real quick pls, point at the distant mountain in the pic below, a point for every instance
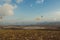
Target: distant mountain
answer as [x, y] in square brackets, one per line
[32, 23]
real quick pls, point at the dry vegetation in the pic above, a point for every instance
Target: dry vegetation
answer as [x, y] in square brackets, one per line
[29, 35]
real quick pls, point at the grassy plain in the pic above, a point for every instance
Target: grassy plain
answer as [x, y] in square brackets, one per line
[41, 34]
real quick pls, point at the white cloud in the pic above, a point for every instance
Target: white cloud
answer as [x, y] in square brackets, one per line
[5, 1]
[39, 1]
[31, 5]
[19, 1]
[53, 16]
[57, 14]
[8, 1]
[0, 5]
[7, 10]
[15, 6]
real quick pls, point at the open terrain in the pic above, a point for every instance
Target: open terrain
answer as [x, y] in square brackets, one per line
[41, 34]
[30, 32]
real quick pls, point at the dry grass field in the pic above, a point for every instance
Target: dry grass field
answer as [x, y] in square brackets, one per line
[29, 34]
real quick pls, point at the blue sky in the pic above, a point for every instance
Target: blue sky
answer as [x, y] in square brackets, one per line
[30, 10]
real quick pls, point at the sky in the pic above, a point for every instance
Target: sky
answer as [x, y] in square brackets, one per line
[29, 10]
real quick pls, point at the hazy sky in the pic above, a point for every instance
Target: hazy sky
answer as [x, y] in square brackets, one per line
[29, 10]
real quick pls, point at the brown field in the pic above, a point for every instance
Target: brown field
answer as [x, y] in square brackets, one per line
[29, 34]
